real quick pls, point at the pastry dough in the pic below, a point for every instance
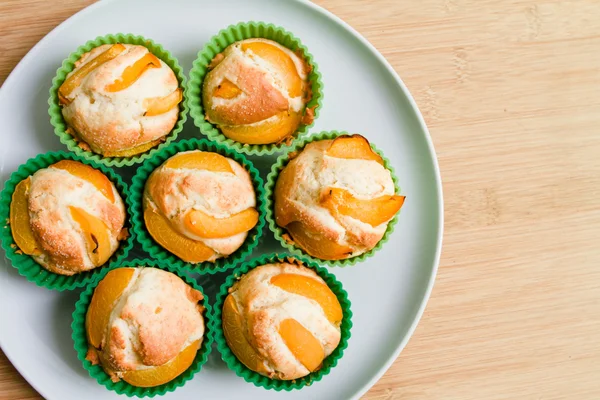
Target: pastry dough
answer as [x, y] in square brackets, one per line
[257, 91]
[263, 304]
[310, 176]
[153, 319]
[179, 188]
[76, 226]
[113, 121]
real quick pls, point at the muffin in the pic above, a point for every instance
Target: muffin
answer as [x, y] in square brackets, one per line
[120, 100]
[256, 92]
[281, 320]
[199, 205]
[335, 198]
[68, 217]
[144, 326]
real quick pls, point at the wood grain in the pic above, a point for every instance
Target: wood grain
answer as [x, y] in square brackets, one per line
[509, 89]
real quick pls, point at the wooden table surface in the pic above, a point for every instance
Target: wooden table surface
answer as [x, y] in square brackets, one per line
[510, 90]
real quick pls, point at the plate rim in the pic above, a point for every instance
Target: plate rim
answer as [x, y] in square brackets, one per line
[415, 109]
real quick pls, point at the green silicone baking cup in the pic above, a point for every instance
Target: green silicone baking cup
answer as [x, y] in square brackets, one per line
[279, 232]
[135, 202]
[25, 264]
[216, 45]
[81, 344]
[60, 126]
[261, 380]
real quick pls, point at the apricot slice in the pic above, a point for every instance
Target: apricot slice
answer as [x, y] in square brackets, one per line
[96, 235]
[165, 373]
[373, 212]
[269, 132]
[280, 60]
[89, 174]
[302, 343]
[106, 294]
[200, 160]
[185, 248]
[160, 105]
[312, 289]
[19, 220]
[316, 245]
[285, 212]
[227, 90]
[355, 146]
[133, 72]
[142, 148]
[233, 328]
[209, 227]
[73, 81]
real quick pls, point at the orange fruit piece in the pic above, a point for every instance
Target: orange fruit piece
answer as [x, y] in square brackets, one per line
[165, 373]
[227, 90]
[302, 344]
[312, 289]
[233, 328]
[19, 220]
[142, 148]
[285, 212]
[73, 81]
[209, 227]
[183, 247]
[269, 132]
[281, 61]
[160, 105]
[200, 160]
[106, 294]
[87, 173]
[133, 72]
[96, 235]
[373, 212]
[355, 146]
[316, 245]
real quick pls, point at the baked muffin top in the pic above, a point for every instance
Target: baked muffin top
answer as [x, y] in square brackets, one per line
[208, 201]
[257, 91]
[69, 217]
[281, 320]
[141, 318]
[120, 99]
[335, 198]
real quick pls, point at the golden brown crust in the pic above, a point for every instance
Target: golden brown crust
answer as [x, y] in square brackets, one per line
[297, 193]
[62, 253]
[262, 307]
[156, 318]
[264, 112]
[176, 192]
[109, 122]
[263, 100]
[288, 183]
[64, 250]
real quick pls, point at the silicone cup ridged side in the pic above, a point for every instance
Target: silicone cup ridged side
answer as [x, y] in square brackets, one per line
[79, 336]
[216, 45]
[25, 264]
[279, 231]
[254, 377]
[135, 203]
[55, 112]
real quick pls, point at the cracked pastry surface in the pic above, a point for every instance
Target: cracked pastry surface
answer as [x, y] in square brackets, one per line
[256, 92]
[336, 198]
[144, 325]
[282, 320]
[69, 217]
[200, 205]
[120, 100]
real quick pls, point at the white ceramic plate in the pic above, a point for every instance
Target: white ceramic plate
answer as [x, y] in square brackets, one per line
[362, 94]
